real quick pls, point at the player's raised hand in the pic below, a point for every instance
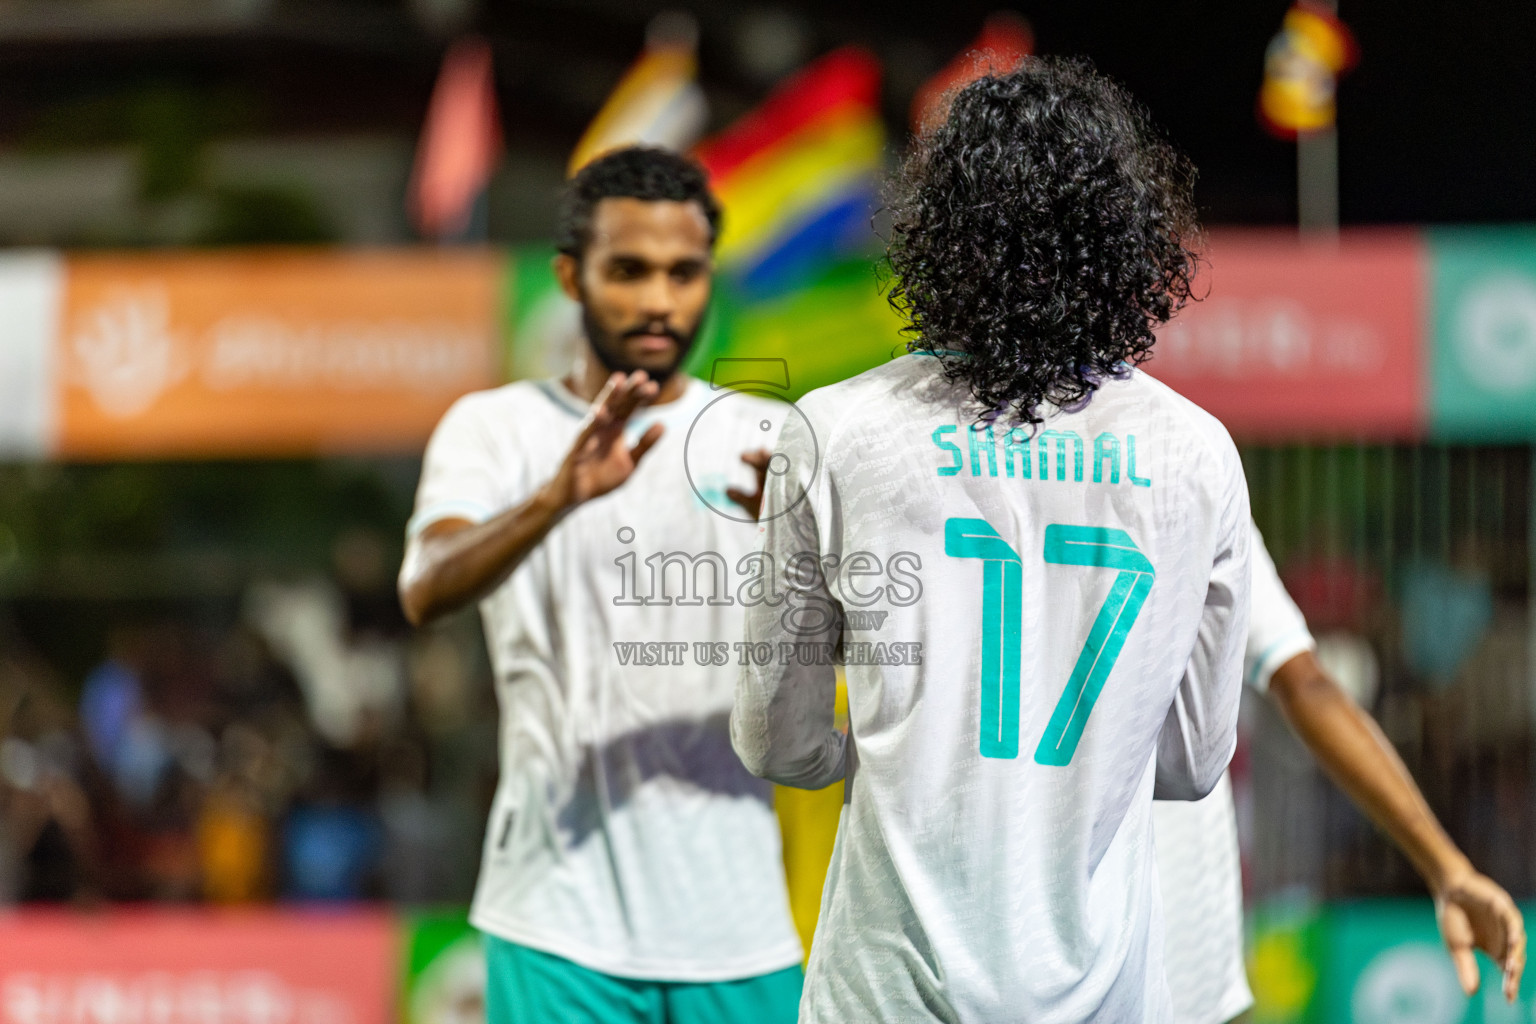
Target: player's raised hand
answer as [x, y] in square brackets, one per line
[600, 459]
[753, 502]
[1475, 912]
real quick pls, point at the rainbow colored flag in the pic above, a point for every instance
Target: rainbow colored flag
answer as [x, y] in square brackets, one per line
[798, 176]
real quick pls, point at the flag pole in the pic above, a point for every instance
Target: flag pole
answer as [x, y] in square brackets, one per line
[1317, 182]
[1317, 174]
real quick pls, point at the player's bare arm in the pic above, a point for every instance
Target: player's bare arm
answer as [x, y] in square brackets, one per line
[454, 561]
[1473, 910]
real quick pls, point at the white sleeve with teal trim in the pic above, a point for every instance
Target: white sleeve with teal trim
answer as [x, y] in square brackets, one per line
[1276, 630]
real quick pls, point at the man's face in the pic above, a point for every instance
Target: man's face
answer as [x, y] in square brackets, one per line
[643, 283]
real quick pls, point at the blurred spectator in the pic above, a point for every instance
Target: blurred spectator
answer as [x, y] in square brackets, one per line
[1445, 613]
[233, 832]
[48, 842]
[110, 704]
[332, 839]
[275, 732]
[1332, 592]
[351, 671]
[420, 843]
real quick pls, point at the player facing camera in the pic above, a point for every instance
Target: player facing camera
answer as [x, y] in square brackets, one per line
[636, 240]
[629, 854]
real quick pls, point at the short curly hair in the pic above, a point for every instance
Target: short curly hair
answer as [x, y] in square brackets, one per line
[634, 172]
[1040, 235]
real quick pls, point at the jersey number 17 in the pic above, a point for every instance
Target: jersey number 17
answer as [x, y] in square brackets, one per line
[1002, 613]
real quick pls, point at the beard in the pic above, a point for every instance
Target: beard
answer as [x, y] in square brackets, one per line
[608, 346]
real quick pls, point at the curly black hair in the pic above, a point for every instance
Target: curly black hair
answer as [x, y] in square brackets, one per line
[1040, 235]
[634, 172]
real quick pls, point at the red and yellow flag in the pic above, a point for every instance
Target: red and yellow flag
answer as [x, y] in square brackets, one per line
[1005, 40]
[1301, 69]
[460, 142]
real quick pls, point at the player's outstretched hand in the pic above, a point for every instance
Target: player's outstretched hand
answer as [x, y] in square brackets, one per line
[753, 503]
[1475, 912]
[600, 460]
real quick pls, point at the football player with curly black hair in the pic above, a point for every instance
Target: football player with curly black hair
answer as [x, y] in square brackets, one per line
[1083, 536]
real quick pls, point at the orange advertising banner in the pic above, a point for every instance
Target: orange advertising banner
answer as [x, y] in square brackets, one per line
[272, 352]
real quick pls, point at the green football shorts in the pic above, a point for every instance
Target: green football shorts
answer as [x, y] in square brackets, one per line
[525, 986]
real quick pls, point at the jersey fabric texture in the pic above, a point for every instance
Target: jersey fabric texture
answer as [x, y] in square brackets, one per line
[1041, 628]
[525, 986]
[625, 834]
[1197, 854]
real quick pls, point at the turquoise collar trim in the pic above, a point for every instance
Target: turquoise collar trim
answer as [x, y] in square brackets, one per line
[561, 397]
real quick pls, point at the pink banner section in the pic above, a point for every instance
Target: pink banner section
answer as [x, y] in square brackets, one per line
[197, 967]
[1305, 339]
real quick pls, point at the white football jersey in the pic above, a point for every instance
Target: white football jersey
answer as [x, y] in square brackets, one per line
[1197, 854]
[625, 834]
[1041, 626]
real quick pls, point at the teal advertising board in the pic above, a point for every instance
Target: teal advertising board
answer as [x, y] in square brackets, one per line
[1483, 334]
[1376, 961]
[1384, 964]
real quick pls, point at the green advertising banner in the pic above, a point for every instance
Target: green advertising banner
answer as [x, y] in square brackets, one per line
[443, 970]
[1284, 948]
[1384, 964]
[1366, 962]
[1483, 334]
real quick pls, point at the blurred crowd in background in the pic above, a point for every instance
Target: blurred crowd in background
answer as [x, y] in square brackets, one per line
[268, 728]
[1410, 565]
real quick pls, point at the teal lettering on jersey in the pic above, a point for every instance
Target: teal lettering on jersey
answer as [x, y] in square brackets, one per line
[1106, 448]
[1001, 615]
[1017, 443]
[982, 448]
[949, 446]
[1061, 437]
[1103, 548]
[1130, 463]
[976, 431]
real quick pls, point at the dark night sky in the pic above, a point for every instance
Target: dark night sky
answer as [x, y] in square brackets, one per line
[1436, 125]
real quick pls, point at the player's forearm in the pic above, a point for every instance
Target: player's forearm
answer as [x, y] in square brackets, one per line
[783, 726]
[445, 572]
[813, 765]
[784, 719]
[1359, 758]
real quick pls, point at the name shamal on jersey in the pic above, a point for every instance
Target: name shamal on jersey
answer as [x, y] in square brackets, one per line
[983, 448]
